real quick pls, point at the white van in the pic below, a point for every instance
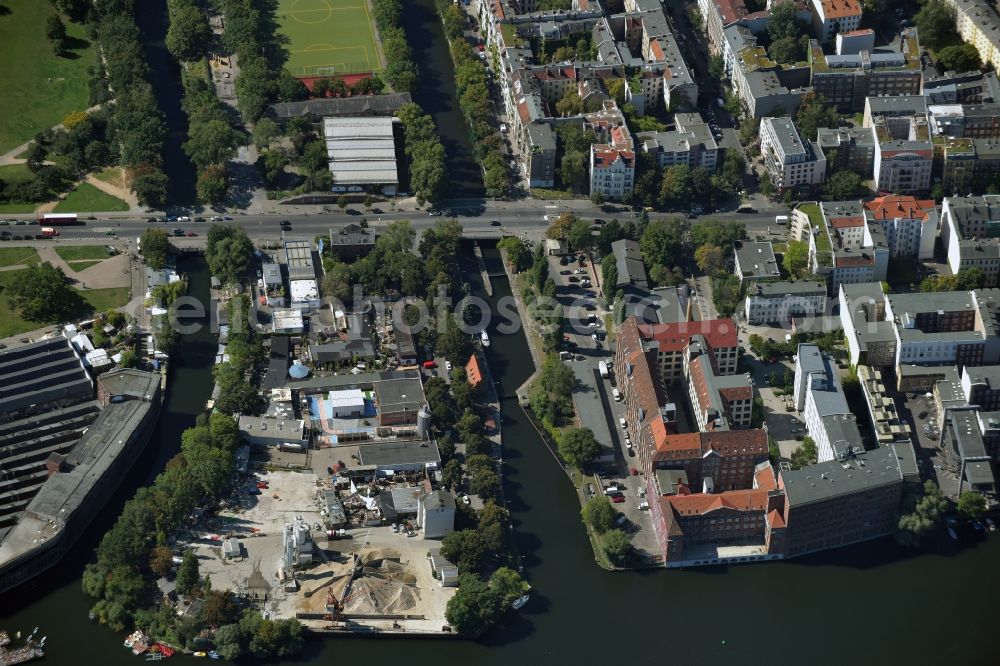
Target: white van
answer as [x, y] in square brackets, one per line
[565, 356]
[617, 394]
[611, 491]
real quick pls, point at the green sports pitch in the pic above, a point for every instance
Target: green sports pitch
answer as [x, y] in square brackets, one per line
[328, 37]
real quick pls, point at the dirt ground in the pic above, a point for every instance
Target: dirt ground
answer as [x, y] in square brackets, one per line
[396, 578]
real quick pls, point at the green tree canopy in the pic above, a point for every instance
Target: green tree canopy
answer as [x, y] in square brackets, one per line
[578, 447]
[599, 514]
[842, 185]
[156, 247]
[814, 112]
[662, 242]
[805, 455]
[42, 294]
[189, 34]
[228, 252]
[972, 505]
[474, 608]
[936, 25]
[960, 58]
[617, 547]
[187, 574]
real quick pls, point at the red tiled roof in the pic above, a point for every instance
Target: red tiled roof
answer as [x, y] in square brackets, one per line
[655, 49]
[522, 111]
[473, 372]
[899, 207]
[858, 33]
[775, 519]
[834, 9]
[728, 442]
[604, 158]
[731, 393]
[702, 503]
[846, 222]
[764, 479]
[719, 333]
[619, 137]
[730, 11]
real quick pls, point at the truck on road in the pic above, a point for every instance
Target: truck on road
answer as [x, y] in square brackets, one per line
[781, 219]
[58, 219]
[602, 366]
[49, 232]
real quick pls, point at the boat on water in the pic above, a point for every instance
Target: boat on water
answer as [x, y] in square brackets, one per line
[201, 654]
[520, 601]
[484, 338]
[952, 533]
[137, 642]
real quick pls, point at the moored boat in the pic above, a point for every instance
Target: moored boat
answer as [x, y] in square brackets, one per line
[484, 338]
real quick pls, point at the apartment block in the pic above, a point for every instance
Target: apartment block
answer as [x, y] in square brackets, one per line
[674, 344]
[850, 148]
[905, 154]
[886, 423]
[981, 386]
[612, 164]
[718, 403]
[834, 16]
[962, 88]
[819, 396]
[844, 501]
[940, 328]
[791, 161]
[778, 302]
[964, 436]
[846, 79]
[910, 225]
[754, 260]
[843, 246]
[970, 233]
[871, 340]
[714, 461]
[691, 143]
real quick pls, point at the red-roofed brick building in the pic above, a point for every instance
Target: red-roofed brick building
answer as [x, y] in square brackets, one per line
[718, 402]
[676, 343]
[713, 461]
[473, 372]
[910, 224]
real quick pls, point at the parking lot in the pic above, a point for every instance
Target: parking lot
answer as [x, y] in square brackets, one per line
[919, 412]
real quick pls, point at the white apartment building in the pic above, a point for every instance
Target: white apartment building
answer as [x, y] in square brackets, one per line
[978, 24]
[910, 225]
[969, 227]
[778, 302]
[819, 396]
[790, 161]
[834, 16]
[612, 172]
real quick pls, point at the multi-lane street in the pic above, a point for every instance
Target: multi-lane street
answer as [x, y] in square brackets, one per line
[479, 218]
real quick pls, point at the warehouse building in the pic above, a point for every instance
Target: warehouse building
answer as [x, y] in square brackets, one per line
[361, 154]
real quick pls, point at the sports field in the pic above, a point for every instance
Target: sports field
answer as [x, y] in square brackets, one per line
[328, 37]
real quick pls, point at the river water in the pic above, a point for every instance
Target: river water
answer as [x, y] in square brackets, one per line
[869, 604]
[436, 95]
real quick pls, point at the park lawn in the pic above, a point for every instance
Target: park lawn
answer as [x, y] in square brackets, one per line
[39, 89]
[15, 256]
[77, 266]
[17, 208]
[111, 176]
[103, 300]
[10, 322]
[88, 199]
[81, 252]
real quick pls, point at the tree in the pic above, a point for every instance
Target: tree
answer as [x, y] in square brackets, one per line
[228, 252]
[935, 23]
[579, 236]
[161, 560]
[725, 293]
[518, 253]
[716, 67]
[211, 142]
[271, 165]
[571, 103]
[342, 202]
[229, 641]
[676, 187]
[474, 608]
[616, 90]
[212, 184]
[842, 185]
[784, 22]
[796, 258]
[466, 548]
[805, 455]
[717, 232]
[150, 187]
[709, 258]
[337, 281]
[187, 573]
[578, 447]
[220, 608]
[55, 29]
[970, 278]
[599, 514]
[662, 241]
[42, 294]
[508, 586]
[617, 547]
[264, 132]
[971, 505]
[559, 228]
[814, 112]
[189, 33]
[451, 475]
[959, 58]
[35, 159]
[485, 483]
[785, 51]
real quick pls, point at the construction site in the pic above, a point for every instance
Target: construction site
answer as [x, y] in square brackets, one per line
[310, 546]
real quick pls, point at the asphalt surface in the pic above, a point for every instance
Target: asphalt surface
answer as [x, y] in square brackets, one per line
[477, 218]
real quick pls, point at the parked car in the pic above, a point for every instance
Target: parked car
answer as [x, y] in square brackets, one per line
[621, 422]
[447, 366]
[494, 223]
[618, 499]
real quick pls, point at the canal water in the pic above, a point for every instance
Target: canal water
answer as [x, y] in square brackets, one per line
[436, 95]
[152, 18]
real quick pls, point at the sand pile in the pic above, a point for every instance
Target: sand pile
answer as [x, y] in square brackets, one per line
[374, 596]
